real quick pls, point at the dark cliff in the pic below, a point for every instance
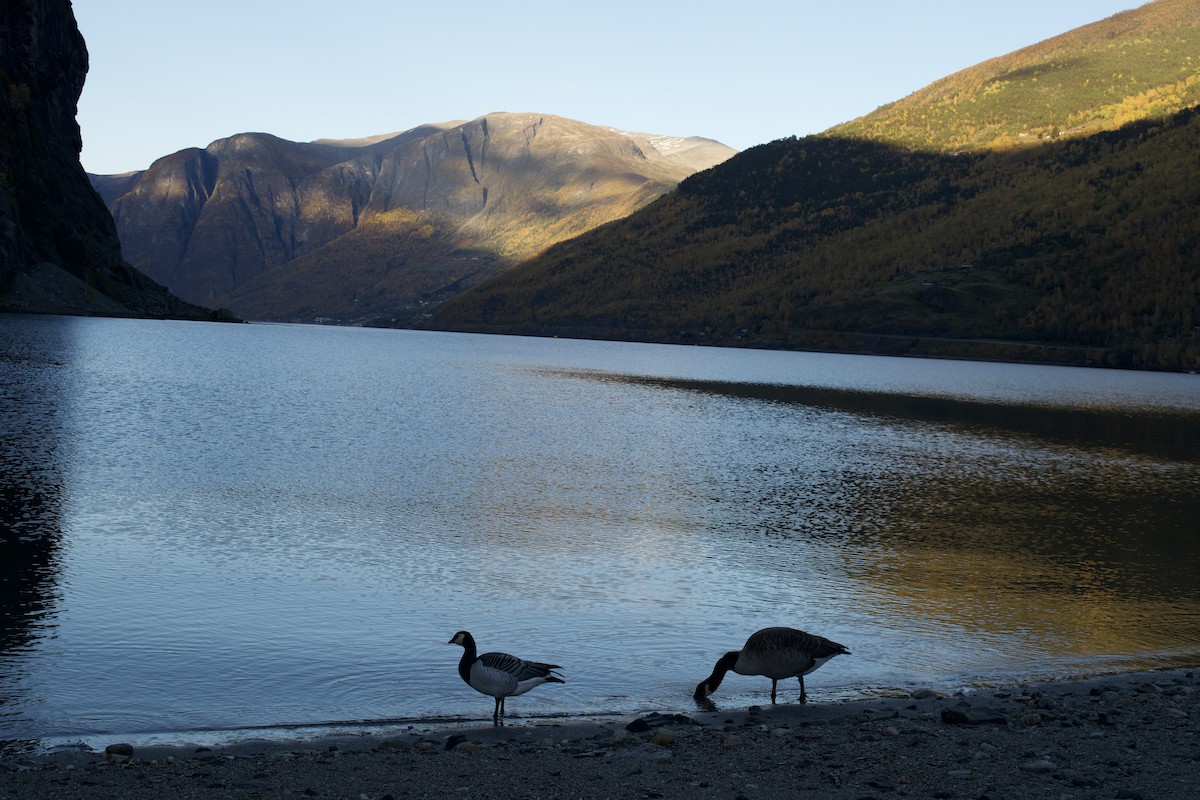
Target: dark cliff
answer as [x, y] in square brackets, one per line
[59, 251]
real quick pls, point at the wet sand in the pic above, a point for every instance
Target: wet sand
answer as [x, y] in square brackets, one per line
[1122, 737]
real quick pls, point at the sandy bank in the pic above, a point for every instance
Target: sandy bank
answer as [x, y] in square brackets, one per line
[1128, 736]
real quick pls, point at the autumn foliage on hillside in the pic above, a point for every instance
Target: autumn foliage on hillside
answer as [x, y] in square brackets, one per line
[1134, 65]
[1086, 250]
[1037, 206]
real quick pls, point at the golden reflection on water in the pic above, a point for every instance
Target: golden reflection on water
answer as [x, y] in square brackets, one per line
[318, 531]
[1078, 556]
[1062, 531]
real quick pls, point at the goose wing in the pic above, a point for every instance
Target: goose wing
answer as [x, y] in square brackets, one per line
[791, 639]
[823, 648]
[518, 668]
[502, 675]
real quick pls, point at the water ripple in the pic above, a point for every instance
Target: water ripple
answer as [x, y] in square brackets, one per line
[274, 528]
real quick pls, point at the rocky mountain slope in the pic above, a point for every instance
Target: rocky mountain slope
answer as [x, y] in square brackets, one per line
[377, 230]
[59, 251]
[1080, 250]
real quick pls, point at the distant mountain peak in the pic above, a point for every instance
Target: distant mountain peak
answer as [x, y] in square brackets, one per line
[367, 141]
[379, 227]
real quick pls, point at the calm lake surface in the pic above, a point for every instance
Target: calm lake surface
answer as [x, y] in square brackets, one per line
[221, 531]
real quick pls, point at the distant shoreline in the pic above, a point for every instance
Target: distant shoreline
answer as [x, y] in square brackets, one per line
[1127, 736]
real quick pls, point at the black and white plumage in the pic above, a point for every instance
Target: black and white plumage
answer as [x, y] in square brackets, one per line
[775, 653]
[499, 674]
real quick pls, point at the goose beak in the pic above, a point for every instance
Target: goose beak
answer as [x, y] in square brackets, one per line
[701, 698]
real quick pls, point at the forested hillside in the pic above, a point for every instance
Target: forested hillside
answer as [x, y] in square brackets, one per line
[1039, 206]
[1134, 65]
[1082, 251]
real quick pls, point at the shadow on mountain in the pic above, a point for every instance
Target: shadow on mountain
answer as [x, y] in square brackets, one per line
[1079, 251]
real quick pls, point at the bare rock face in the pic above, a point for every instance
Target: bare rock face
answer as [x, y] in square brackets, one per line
[59, 251]
[381, 229]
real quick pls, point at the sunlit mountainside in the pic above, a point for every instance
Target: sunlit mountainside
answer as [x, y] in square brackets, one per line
[920, 228]
[1098, 77]
[375, 230]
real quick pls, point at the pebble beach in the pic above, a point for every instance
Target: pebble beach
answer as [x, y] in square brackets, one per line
[1124, 737]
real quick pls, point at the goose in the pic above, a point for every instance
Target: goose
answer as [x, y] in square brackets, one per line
[774, 653]
[499, 674]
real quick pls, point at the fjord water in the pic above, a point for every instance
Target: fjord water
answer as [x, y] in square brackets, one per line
[216, 531]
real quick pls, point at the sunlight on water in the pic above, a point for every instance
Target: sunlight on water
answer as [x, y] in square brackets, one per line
[236, 527]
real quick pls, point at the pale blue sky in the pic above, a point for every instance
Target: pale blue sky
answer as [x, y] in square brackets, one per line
[167, 75]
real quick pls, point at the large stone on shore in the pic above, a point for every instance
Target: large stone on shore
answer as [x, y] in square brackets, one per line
[120, 752]
[972, 716]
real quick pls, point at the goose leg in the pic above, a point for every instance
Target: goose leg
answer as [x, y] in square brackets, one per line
[773, 682]
[803, 694]
[496, 712]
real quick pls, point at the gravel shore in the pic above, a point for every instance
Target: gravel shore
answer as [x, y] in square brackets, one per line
[1120, 737]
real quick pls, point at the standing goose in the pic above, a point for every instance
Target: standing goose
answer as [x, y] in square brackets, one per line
[499, 674]
[774, 653]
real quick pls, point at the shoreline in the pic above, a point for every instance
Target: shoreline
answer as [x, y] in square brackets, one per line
[1132, 735]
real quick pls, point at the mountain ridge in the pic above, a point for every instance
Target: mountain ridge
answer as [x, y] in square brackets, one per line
[1080, 250]
[251, 219]
[1092, 78]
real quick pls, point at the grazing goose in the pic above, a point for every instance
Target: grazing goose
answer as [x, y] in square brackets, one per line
[499, 674]
[775, 653]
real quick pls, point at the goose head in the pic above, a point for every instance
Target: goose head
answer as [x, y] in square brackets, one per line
[710, 684]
